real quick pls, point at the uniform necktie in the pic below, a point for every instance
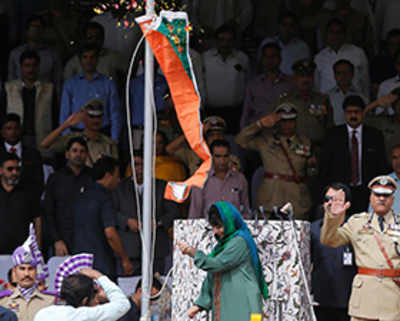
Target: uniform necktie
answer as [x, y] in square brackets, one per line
[13, 150]
[381, 221]
[355, 171]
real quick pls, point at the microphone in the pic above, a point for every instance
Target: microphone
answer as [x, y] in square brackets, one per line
[287, 209]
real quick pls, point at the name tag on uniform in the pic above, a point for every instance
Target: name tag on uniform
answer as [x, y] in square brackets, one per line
[347, 258]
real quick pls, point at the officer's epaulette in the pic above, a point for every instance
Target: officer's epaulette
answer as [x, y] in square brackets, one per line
[48, 292]
[6, 293]
[360, 215]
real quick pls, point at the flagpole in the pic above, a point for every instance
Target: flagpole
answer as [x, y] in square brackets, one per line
[147, 268]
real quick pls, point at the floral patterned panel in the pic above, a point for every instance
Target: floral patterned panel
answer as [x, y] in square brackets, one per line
[276, 245]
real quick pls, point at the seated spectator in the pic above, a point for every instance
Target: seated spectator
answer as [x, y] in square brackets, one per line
[285, 156]
[214, 128]
[359, 30]
[78, 292]
[336, 49]
[292, 47]
[50, 69]
[167, 168]
[353, 153]
[91, 115]
[95, 225]
[263, 91]
[314, 110]
[29, 268]
[389, 125]
[136, 298]
[226, 72]
[32, 169]
[90, 84]
[223, 184]
[388, 85]
[344, 75]
[382, 65]
[62, 191]
[19, 205]
[32, 100]
[333, 268]
[212, 14]
[125, 207]
[110, 62]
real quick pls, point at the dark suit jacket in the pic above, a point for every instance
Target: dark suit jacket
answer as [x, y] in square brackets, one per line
[336, 158]
[331, 280]
[124, 201]
[32, 168]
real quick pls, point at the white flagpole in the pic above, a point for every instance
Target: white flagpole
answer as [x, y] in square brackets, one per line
[147, 268]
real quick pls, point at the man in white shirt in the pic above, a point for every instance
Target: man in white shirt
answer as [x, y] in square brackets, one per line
[78, 291]
[293, 48]
[344, 74]
[226, 73]
[388, 85]
[337, 49]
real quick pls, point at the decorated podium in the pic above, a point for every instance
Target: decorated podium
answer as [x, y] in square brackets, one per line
[276, 245]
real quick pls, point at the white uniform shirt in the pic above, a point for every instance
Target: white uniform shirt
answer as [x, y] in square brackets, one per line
[326, 58]
[225, 79]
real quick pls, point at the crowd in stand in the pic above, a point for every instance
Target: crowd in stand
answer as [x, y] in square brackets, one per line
[295, 95]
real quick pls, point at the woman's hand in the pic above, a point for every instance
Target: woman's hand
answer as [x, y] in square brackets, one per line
[186, 249]
[193, 311]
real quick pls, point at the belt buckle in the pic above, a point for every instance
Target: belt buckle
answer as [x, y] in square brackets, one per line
[275, 176]
[380, 273]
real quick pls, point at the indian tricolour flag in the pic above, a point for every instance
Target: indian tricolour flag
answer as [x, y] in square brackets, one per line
[168, 36]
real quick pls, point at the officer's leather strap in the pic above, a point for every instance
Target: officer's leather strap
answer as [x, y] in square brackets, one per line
[383, 273]
[296, 176]
[287, 178]
[378, 240]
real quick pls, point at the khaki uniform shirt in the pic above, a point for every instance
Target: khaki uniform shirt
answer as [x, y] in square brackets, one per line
[277, 192]
[102, 144]
[314, 115]
[26, 310]
[390, 128]
[372, 297]
[193, 162]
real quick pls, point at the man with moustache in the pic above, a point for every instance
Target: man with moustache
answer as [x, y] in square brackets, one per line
[91, 115]
[353, 153]
[62, 190]
[19, 205]
[29, 268]
[375, 238]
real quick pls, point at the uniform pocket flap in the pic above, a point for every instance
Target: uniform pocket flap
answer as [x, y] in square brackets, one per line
[357, 283]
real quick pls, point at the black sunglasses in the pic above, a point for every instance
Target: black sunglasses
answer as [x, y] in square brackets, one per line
[11, 168]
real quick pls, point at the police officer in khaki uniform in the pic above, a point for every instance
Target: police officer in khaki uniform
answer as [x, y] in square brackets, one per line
[214, 128]
[26, 299]
[375, 238]
[98, 144]
[285, 156]
[314, 110]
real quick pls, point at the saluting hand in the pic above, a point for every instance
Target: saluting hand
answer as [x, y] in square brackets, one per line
[269, 120]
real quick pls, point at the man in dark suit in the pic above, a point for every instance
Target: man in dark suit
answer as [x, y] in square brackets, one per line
[125, 206]
[333, 268]
[32, 167]
[353, 153]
